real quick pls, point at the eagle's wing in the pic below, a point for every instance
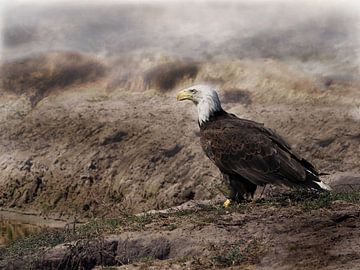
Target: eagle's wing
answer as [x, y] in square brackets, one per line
[254, 152]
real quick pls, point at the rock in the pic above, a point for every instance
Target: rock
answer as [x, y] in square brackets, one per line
[346, 182]
[131, 250]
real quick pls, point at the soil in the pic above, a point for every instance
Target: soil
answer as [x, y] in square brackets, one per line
[90, 151]
[258, 235]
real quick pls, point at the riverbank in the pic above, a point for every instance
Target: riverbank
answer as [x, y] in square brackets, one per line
[294, 230]
[50, 221]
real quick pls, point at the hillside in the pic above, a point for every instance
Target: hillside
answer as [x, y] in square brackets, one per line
[86, 150]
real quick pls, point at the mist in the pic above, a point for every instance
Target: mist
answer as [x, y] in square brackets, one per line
[320, 37]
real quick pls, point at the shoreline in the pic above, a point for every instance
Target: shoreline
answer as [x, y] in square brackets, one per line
[36, 218]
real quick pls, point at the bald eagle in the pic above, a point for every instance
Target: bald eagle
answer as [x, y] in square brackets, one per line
[247, 153]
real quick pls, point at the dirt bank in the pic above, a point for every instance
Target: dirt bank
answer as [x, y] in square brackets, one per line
[296, 231]
[34, 218]
[93, 151]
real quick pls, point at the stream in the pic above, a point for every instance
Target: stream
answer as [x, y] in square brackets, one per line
[13, 229]
[14, 225]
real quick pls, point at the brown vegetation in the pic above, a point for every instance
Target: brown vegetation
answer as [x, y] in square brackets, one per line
[167, 76]
[236, 96]
[38, 75]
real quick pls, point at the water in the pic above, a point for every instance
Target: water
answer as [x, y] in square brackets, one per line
[13, 229]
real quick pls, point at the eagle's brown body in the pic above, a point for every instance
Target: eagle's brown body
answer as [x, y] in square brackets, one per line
[249, 154]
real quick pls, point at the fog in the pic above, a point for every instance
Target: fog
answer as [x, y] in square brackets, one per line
[318, 36]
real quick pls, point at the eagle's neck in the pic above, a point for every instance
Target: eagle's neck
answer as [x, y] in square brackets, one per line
[207, 109]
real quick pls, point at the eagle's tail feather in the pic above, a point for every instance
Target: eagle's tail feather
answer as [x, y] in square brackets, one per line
[323, 186]
[312, 178]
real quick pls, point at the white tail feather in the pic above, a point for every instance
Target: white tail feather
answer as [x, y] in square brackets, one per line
[323, 185]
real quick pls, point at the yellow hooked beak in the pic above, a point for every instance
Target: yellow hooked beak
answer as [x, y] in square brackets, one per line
[184, 95]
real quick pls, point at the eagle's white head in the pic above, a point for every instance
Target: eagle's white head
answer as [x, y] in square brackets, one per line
[204, 97]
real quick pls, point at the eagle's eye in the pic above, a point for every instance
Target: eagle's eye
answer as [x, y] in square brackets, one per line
[193, 91]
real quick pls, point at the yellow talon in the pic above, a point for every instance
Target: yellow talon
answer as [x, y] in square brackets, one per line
[227, 203]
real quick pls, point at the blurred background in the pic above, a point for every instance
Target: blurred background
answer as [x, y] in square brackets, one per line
[89, 119]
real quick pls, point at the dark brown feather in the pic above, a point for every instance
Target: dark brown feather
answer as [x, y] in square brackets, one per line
[250, 150]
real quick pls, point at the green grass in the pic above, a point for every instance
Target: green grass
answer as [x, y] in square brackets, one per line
[312, 200]
[293, 247]
[52, 237]
[239, 253]
[171, 227]
[231, 257]
[97, 99]
[352, 197]
[28, 244]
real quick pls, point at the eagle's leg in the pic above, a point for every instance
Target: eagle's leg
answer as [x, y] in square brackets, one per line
[262, 192]
[240, 189]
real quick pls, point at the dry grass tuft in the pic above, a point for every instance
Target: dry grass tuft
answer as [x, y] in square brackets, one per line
[38, 75]
[166, 76]
[235, 95]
